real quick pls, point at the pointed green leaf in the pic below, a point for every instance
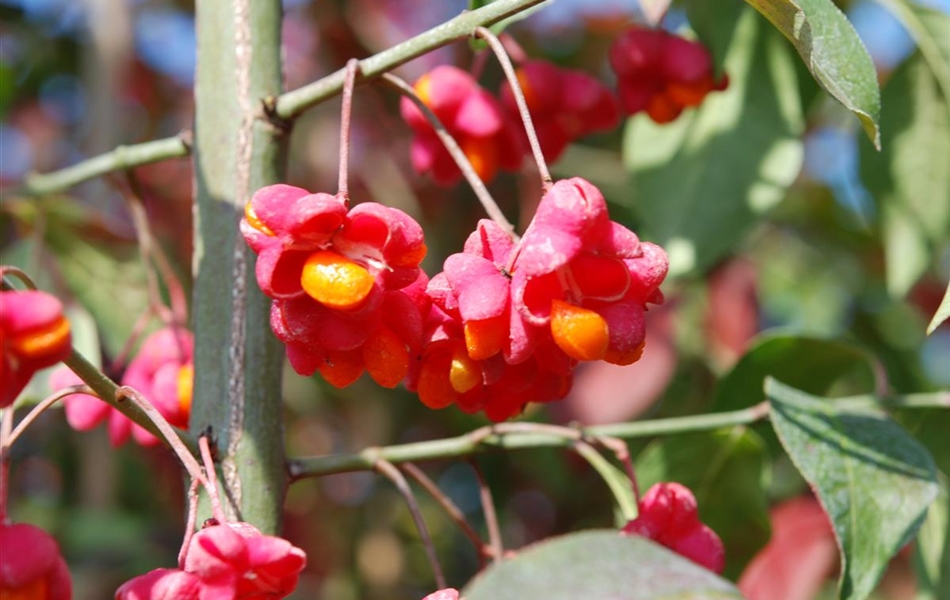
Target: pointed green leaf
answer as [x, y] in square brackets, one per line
[701, 182]
[933, 549]
[833, 53]
[874, 480]
[942, 314]
[910, 180]
[729, 484]
[598, 565]
[928, 26]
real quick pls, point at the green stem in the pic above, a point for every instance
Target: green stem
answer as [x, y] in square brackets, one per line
[621, 488]
[524, 436]
[107, 390]
[290, 105]
[121, 158]
[238, 360]
[495, 436]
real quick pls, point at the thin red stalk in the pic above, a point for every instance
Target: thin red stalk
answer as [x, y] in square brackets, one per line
[211, 479]
[190, 522]
[153, 251]
[509, 70]
[19, 274]
[41, 407]
[452, 147]
[171, 438]
[352, 67]
[6, 426]
[514, 49]
[146, 242]
[622, 452]
[176, 292]
[138, 328]
[478, 63]
[454, 512]
[388, 470]
[491, 517]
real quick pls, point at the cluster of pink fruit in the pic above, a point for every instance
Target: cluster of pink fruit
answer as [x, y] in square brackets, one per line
[657, 72]
[504, 324]
[507, 320]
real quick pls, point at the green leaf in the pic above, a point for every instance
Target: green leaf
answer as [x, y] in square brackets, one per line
[701, 182]
[728, 483]
[928, 26]
[109, 282]
[808, 363]
[598, 565]
[910, 180]
[833, 53]
[714, 24]
[942, 314]
[933, 549]
[929, 426]
[874, 481]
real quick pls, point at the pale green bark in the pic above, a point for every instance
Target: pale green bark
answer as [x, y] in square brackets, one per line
[237, 359]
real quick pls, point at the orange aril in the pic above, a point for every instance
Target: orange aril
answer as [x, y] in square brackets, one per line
[423, 88]
[43, 341]
[689, 94]
[485, 338]
[481, 153]
[254, 222]
[35, 590]
[386, 357]
[335, 281]
[579, 332]
[663, 109]
[464, 373]
[530, 96]
[185, 387]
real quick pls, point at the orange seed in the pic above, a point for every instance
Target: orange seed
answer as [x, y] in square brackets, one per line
[254, 222]
[485, 338]
[185, 386]
[335, 281]
[464, 374]
[579, 332]
[44, 341]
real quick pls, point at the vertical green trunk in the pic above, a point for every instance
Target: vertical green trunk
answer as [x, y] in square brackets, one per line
[237, 359]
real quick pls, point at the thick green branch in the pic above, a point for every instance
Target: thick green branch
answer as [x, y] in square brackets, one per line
[496, 436]
[120, 159]
[291, 104]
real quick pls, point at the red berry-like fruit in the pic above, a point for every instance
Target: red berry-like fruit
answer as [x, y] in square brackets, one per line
[668, 515]
[31, 567]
